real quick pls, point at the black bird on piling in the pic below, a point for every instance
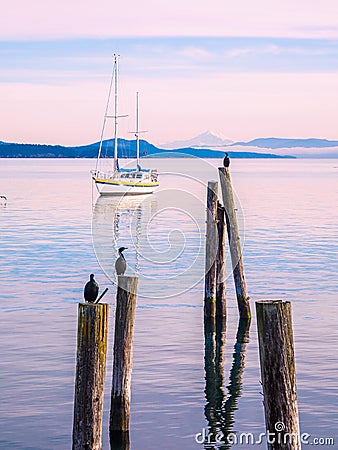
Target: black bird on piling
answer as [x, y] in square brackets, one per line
[226, 160]
[121, 264]
[91, 290]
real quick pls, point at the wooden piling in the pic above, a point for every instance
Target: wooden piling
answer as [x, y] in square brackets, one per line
[211, 251]
[221, 265]
[123, 354]
[276, 349]
[90, 373]
[234, 243]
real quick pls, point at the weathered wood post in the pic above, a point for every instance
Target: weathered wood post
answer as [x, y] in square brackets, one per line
[221, 265]
[234, 243]
[211, 245]
[277, 360]
[90, 372]
[123, 354]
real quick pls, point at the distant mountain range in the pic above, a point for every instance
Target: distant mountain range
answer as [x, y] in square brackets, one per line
[211, 139]
[127, 149]
[205, 145]
[274, 143]
[303, 148]
[208, 139]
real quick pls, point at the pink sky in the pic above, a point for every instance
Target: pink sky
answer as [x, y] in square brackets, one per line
[254, 98]
[242, 106]
[64, 18]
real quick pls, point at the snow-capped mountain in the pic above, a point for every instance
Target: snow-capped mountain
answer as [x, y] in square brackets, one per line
[206, 139]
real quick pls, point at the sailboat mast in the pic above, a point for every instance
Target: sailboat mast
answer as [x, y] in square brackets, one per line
[105, 120]
[115, 113]
[137, 133]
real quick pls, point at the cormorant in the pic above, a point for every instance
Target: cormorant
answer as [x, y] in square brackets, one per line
[226, 160]
[121, 264]
[91, 290]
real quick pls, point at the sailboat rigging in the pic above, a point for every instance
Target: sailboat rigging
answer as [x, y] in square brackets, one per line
[137, 132]
[122, 181]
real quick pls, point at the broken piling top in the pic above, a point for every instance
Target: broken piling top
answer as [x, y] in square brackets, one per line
[234, 243]
[277, 360]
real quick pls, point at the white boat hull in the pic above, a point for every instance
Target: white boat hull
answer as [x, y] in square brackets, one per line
[116, 180]
[108, 188]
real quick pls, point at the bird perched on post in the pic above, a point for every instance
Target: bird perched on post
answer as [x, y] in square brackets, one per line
[226, 160]
[121, 264]
[91, 290]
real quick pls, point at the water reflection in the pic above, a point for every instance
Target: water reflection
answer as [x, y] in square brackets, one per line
[164, 234]
[117, 222]
[221, 403]
[119, 440]
[214, 374]
[3, 201]
[46, 256]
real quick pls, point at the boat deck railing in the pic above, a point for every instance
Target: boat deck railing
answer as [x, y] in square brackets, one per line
[151, 175]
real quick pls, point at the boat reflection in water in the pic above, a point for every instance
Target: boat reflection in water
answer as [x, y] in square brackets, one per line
[163, 237]
[117, 222]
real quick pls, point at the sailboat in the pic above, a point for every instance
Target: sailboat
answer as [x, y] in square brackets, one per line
[116, 180]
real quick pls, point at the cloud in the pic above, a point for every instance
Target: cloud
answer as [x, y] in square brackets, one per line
[162, 57]
[238, 52]
[244, 87]
[194, 53]
[270, 49]
[240, 105]
[43, 19]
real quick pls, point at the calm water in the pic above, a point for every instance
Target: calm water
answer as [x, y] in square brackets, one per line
[54, 233]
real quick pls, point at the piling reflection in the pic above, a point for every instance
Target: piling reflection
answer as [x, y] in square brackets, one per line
[214, 373]
[119, 440]
[221, 402]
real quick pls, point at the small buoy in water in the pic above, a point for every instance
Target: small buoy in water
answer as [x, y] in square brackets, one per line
[121, 264]
[4, 198]
[226, 160]
[91, 290]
